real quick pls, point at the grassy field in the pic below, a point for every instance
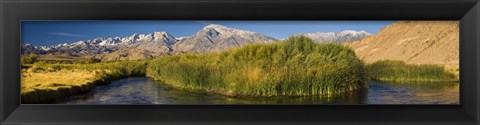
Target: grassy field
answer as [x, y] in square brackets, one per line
[295, 67]
[398, 71]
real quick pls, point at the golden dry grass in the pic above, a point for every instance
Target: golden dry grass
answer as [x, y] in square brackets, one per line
[44, 82]
[54, 80]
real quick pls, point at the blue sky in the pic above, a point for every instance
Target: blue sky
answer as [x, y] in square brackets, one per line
[47, 33]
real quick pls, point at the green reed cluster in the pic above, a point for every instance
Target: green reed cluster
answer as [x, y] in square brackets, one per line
[295, 67]
[399, 71]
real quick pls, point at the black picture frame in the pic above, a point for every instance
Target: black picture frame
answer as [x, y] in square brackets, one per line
[466, 11]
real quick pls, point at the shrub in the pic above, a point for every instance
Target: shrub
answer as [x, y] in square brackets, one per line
[29, 59]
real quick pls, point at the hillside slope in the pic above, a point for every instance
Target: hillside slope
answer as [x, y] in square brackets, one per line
[425, 42]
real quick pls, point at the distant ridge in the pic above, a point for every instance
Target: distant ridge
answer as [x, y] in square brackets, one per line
[210, 38]
[155, 42]
[343, 36]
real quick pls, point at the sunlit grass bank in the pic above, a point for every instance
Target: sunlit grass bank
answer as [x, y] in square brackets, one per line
[43, 83]
[398, 71]
[47, 86]
[295, 67]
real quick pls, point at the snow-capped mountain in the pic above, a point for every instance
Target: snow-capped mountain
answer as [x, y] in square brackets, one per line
[343, 36]
[210, 38]
[215, 37]
[155, 42]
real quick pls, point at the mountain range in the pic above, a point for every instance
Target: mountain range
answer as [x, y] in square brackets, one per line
[211, 38]
[343, 36]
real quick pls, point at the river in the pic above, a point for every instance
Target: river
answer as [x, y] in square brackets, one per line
[143, 90]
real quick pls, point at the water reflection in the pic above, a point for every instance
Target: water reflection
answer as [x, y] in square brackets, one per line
[413, 93]
[142, 90]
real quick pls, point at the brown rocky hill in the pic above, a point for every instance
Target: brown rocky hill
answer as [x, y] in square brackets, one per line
[414, 42]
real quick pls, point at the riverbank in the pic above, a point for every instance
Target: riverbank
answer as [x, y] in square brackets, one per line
[46, 83]
[40, 87]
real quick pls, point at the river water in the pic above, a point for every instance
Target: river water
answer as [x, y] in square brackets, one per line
[143, 90]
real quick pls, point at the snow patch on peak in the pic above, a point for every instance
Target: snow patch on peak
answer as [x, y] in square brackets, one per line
[216, 30]
[349, 31]
[161, 34]
[353, 32]
[215, 26]
[182, 37]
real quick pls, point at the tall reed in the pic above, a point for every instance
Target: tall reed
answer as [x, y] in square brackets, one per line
[295, 67]
[399, 71]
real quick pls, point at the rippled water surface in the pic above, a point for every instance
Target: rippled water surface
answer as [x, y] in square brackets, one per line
[143, 90]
